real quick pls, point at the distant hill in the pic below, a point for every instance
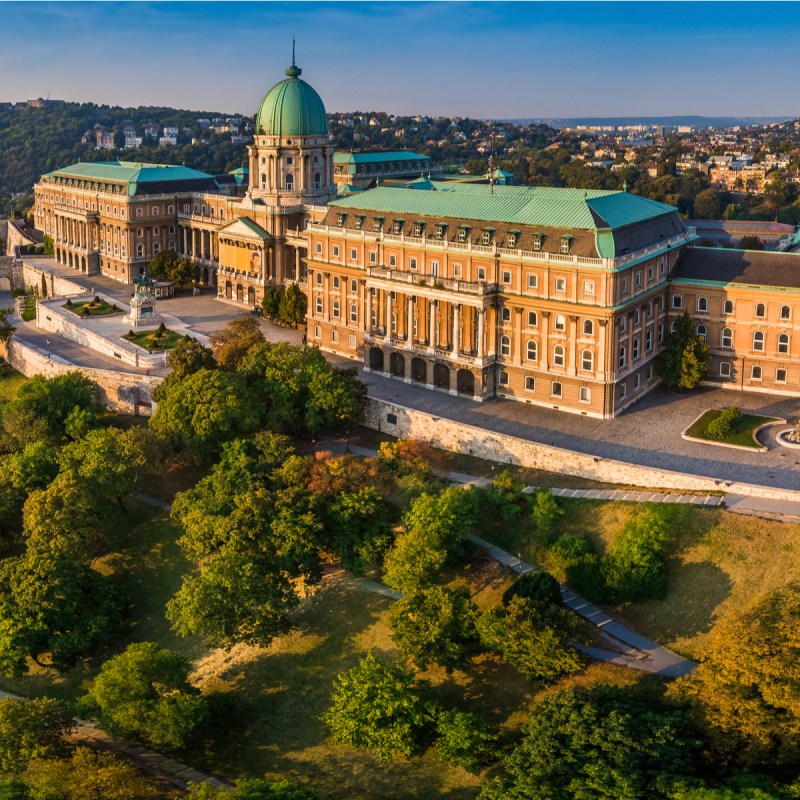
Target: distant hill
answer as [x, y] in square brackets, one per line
[668, 122]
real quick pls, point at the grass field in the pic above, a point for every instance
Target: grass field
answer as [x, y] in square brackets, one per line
[149, 341]
[10, 382]
[91, 308]
[743, 429]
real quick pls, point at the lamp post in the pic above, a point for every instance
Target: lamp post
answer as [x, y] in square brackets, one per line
[48, 349]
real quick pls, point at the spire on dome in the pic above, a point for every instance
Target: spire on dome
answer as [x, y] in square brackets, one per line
[294, 71]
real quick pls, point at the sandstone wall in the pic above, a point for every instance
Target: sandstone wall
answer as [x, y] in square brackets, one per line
[123, 392]
[56, 286]
[461, 438]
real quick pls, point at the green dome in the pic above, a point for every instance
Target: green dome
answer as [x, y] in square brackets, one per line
[292, 108]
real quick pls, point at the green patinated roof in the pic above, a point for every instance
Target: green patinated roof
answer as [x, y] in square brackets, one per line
[292, 108]
[377, 157]
[587, 209]
[348, 188]
[131, 173]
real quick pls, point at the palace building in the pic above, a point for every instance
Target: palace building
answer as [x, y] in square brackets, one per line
[553, 297]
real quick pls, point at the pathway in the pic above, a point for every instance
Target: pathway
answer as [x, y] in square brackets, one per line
[176, 773]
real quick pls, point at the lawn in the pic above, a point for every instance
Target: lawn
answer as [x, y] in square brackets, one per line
[719, 561]
[92, 308]
[28, 313]
[10, 382]
[150, 340]
[743, 429]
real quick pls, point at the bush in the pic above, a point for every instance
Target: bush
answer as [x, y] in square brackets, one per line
[18, 293]
[465, 740]
[161, 330]
[585, 575]
[724, 426]
[539, 587]
[68, 304]
[545, 511]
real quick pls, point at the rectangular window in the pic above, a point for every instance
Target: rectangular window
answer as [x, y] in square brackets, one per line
[456, 270]
[351, 342]
[481, 273]
[556, 390]
[638, 279]
[530, 383]
[623, 390]
[334, 336]
[393, 260]
[725, 369]
[588, 288]
[318, 248]
[585, 394]
[624, 286]
[412, 263]
[503, 378]
[533, 281]
[561, 284]
[373, 257]
[780, 376]
[637, 382]
[353, 254]
[506, 276]
[336, 251]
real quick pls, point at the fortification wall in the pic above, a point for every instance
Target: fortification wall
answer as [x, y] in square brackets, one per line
[57, 286]
[458, 437]
[123, 392]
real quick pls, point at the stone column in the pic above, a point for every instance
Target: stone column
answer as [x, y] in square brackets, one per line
[388, 314]
[601, 367]
[432, 324]
[366, 309]
[297, 264]
[572, 366]
[409, 319]
[481, 332]
[456, 320]
[517, 359]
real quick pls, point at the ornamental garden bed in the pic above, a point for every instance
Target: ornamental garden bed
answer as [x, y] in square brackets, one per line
[92, 308]
[159, 339]
[744, 430]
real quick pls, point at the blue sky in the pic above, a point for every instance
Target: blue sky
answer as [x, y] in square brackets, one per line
[489, 59]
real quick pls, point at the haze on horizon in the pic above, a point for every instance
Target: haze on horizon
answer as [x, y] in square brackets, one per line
[501, 60]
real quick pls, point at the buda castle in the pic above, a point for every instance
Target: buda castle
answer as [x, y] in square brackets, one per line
[553, 297]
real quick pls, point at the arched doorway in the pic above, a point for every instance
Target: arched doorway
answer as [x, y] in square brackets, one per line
[465, 382]
[70, 259]
[419, 370]
[83, 263]
[441, 376]
[205, 276]
[251, 296]
[228, 290]
[397, 365]
[5, 284]
[376, 359]
[240, 292]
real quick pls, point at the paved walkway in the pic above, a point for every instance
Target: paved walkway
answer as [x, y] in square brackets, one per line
[178, 774]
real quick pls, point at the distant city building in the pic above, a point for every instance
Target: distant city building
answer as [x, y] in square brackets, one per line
[364, 169]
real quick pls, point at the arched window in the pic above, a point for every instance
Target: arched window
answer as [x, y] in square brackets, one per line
[622, 357]
[263, 181]
[505, 315]
[587, 360]
[336, 283]
[677, 301]
[335, 308]
[533, 319]
[727, 307]
[726, 341]
[635, 348]
[317, 180]
[701, 332]
[702, 304]
[558, 355]
[783, 343]
[588, 327]
[354, 286]
[289, 182]
[531, 351]
[354, 312]
[758, 341]
[560, 323]
[505, 346]
[318, 278]
[786, 312]
[318, 305]
[761, 310]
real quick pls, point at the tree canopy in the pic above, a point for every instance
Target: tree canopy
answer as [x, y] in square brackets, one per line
[684, 360]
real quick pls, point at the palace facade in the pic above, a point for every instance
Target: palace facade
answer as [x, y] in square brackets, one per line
[553, 297]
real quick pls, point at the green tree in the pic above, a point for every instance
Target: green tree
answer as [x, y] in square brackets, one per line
[293, 305]
[707, 205]
[87, 775]
[747, 688]
[253, 790]
[188, 357]
[203, 410]
[44, 286]
[271, 304]
[545, 512]
[465, 740]
[684, 360]
[31, 729]
[539, 587]
[751, 242]
[145, 693]
[51, 605]
[380, 706]
[533, 638]
[20, 474]
[435, 624]
[79, 422]
[231, 345]
[6, 328]
[596, 743]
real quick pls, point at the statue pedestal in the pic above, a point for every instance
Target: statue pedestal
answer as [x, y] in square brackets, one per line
[143, 310]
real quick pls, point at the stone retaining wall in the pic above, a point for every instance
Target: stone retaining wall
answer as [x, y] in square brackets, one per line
[458, 437]
[123, 392]
[56, 285]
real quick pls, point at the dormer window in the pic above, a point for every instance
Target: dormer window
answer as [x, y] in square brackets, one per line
[441, 231]
[359, 222]
[377, 224]
[538, 240]
[566, 244]
[419, 227]
[463, 233]
[340, 220]
[397, 227]
[488, 233]
[512, 239]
